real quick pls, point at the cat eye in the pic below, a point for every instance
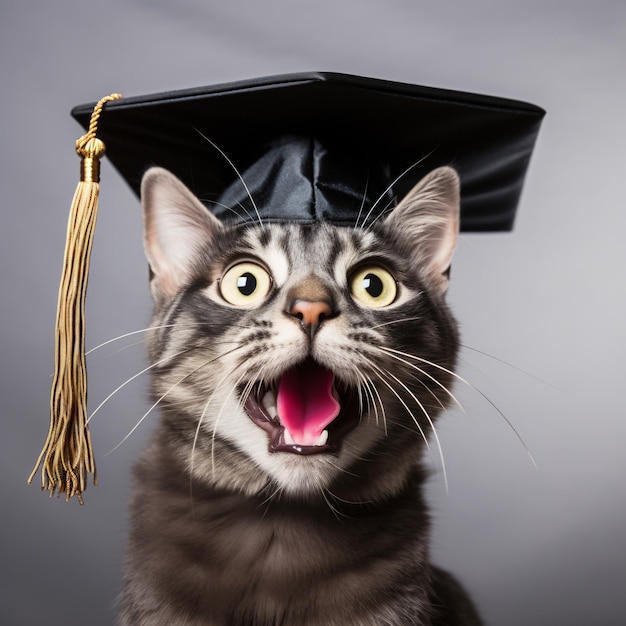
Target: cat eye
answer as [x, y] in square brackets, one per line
[373, 286]
[245, 283]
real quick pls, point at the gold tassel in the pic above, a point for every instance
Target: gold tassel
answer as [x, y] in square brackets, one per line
[67, 456]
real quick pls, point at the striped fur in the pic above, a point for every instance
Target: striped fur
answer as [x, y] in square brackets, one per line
[227, 532]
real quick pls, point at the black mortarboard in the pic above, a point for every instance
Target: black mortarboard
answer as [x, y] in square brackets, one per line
[309, 146]
[299, 147]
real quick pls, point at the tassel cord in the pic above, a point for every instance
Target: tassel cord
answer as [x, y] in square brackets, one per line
[67, 456]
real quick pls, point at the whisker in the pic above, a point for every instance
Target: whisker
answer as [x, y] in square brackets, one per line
[360, 392]
[431, 423]
[200, 421]
[121, 349]
[195, 442]
[350, 502]
[134, 376]
[373, 390]
[390, 186]
[391, 204]
[478, 391]
[366, 387]
[245, 393]
[275, 494]
[415, 377]
[427, 362]
[178, 382]
[394, 354]
[229, 208]
[232, 390]
[129, 334]
[334, 510]
[247, 390]
[510, 425]
[197, 434]
[364, 390]
[343, 470]
[398, 321]
[508, 364]
[381, 376]
[175, 325]
[243, 182]
[358, 217]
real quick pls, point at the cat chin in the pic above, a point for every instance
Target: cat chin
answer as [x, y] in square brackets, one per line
[301, 475]
[346, 475]
[255, 467]
[253, 471]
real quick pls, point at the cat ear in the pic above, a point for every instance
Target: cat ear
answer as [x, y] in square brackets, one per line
[427, 220]
[177, 227]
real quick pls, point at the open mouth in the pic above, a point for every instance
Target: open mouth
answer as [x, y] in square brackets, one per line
[306, 412]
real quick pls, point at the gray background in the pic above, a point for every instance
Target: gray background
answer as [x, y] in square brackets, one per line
[540, 547]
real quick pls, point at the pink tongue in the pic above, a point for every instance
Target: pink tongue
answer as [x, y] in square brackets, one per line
[305, 402]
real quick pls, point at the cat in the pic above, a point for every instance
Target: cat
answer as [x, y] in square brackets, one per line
[298, 369]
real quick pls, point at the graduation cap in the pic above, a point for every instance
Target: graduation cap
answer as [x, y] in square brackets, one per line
[310, 147]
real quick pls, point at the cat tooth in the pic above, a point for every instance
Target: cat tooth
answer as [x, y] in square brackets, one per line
[323, 438]
[268, 399]
[269, 404]
[289, 440]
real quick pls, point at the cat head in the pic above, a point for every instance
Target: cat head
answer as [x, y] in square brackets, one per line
[301, 357]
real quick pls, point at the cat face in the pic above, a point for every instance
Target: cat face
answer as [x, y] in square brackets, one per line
[301, 358]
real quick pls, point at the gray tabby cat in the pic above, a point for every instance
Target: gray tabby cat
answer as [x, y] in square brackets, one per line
[298, 370]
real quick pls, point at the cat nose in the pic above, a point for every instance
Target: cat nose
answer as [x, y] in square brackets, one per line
[311, 313]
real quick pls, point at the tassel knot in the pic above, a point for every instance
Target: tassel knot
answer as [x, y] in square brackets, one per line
[91, 150]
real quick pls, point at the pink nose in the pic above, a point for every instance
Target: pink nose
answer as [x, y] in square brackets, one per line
[311, 312]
